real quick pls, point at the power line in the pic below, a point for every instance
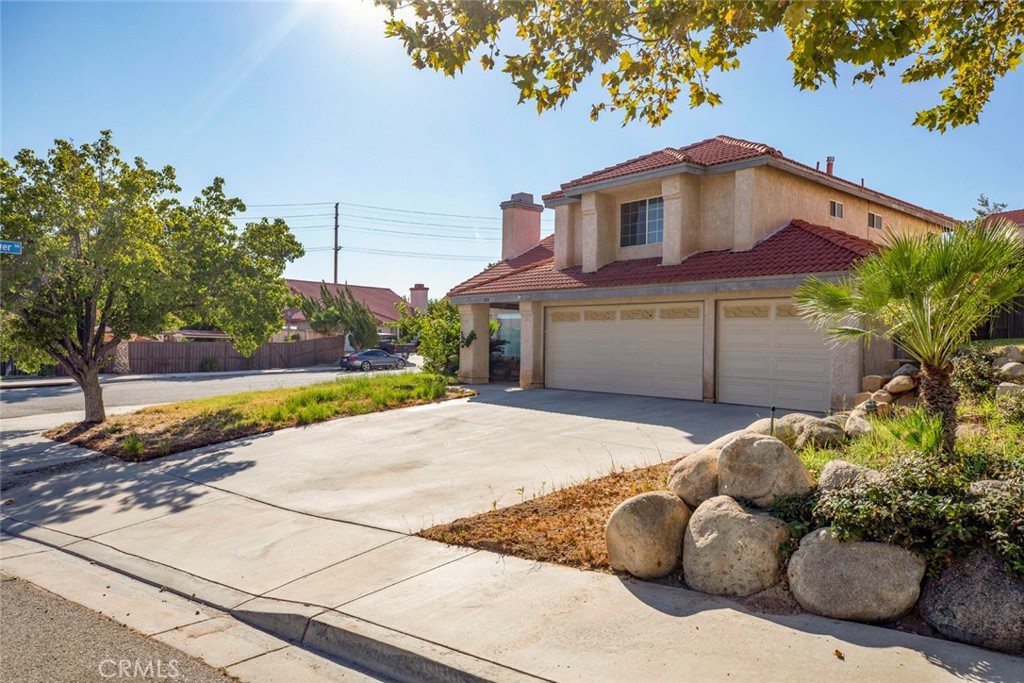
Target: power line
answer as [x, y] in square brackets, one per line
[425, 213]
[388, 252]
[419, 234]
[432, 225]
[260, 206]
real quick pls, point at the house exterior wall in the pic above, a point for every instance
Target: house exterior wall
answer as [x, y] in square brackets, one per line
[733, 210]
[780, 197]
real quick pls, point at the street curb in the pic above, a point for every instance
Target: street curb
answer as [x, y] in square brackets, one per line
[339, 636]
[117, 379]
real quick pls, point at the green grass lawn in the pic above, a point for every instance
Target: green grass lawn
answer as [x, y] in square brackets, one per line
[161, 430]
[982, 430]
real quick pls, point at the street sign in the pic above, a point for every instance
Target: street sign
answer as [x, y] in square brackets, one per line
[9, 247]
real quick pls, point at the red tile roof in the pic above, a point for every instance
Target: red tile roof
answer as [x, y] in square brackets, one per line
[798, 248]
[1014, 216]
[712, 152]
[380, 300]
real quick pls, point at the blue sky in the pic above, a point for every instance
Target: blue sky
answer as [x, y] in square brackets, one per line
[297, 104]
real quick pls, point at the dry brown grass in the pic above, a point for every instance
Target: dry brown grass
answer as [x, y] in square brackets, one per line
[566, 526]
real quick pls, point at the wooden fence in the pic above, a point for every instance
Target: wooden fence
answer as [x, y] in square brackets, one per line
[146, 357]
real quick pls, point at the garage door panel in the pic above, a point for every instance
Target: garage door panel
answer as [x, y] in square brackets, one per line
[775, 359]
[632, 349]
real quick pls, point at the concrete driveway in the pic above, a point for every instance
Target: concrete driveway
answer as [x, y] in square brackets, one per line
[409, 469]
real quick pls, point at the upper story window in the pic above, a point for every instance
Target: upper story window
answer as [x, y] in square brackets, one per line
[642, 222]
[874, 221]
[835, 209]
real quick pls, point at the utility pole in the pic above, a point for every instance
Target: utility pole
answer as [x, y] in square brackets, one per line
[336, 247]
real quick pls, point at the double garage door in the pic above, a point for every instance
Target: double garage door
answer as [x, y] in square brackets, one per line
[766, 354]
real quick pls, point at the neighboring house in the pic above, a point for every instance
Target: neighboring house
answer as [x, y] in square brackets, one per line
[380, 300]
[671, 275]
[1008, 324]
[1014, 216]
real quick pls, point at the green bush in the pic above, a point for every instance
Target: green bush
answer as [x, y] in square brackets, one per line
[1011, 408]
[209, 365]
[973, 372]
[133, 445]
[923, 504]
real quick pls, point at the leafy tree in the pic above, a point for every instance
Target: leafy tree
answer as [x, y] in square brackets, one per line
[339, 312]
[110, 252]
[927, 293]
[651, 52]
[439, 331]
[986, 207]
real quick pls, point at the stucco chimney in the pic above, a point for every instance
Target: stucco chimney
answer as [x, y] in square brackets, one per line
[418, 297]
[829, 164]
[520, 225]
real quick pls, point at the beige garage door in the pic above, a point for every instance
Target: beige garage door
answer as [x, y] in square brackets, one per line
[768, 356]
[645, 349]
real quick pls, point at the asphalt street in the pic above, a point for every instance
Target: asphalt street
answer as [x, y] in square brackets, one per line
[16, 403]
[47, 639]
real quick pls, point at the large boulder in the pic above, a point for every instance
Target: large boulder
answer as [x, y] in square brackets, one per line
[900, 384]
[857, 426]
[1008, 388]
[975, 602]
[726, 438]
[839, 473]
[882, 396]
[872, 582]
[1013, 353]
[783, 431]
[872, 383]
[695, 477]
[760, 468]
[728, 550]
[907, 369]
[644, 534]
[822, 433]
[908, 400]
[1012, 370]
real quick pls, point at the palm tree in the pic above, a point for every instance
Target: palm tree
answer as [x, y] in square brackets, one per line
[926, 293]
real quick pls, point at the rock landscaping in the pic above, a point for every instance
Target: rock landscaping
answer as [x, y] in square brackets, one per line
[733, 545]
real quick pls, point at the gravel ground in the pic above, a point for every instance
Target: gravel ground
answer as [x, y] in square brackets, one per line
[47, 639]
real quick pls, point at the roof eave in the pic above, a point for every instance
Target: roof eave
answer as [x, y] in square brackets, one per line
[764, 282]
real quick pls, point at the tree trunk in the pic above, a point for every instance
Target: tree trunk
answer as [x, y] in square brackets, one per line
[90, 383]
[940, 397]
[122, 364]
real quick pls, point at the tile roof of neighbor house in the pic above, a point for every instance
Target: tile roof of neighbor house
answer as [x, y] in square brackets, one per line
[380, 300]
[1014, 216]
[721, 149]
[798, 248]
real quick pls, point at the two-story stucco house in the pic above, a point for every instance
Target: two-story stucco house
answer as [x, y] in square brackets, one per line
[671, 275]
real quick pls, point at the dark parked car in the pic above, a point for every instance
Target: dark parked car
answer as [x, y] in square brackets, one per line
[370, 359]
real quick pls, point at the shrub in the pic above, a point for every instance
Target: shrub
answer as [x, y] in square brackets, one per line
[923, 504]
[133, 445]
[1011, 408]
[973, 372]
[209, 365]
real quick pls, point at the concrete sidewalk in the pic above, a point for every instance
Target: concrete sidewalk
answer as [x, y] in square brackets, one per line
[306, 534]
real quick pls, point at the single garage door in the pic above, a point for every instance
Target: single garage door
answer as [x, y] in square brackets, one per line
[645, 349]
[768, 356]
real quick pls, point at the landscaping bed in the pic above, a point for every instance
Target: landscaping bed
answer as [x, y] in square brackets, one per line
[175, 427]
[898, 506]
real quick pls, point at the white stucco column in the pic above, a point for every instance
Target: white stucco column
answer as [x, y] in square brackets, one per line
[474, 360]
[531, 345]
